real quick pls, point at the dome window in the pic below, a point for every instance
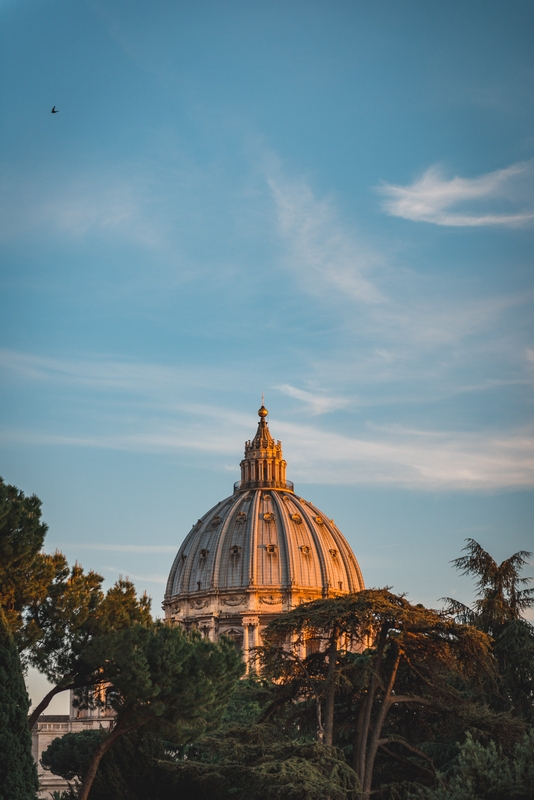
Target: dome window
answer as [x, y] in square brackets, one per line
[296, 518]
[305, 549]
[216, 521]
[203, 554]
[269, 516]
[333, 553]
[271, 549]
[341, 585]
[241, 518]
[235, 550]
[319, 520]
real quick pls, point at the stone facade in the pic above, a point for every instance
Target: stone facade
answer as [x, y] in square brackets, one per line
[50, 727]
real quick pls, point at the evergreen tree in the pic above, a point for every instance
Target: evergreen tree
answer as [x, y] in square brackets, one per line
[502, 597]
[172, 684]
[390, 663]
[18, 774]
[55, 611]
[484, 772]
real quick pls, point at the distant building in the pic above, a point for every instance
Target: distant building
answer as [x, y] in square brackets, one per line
[48, 727]
[257, 553]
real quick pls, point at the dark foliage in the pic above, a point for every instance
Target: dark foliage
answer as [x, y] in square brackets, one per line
[128, 771]
[173, 684]
[501, 600]
[258, 762]
[18, 774]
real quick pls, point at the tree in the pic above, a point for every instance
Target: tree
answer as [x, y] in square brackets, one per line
[484, 772]
[394, 654]
[74, 614]
[24, 572]
[54, 611]
[497, 611]
[18, 774]
[259, 762]
[129, 770]
[159, 677]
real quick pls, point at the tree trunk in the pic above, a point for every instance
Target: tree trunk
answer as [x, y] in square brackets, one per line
[360, 754]
[100, 751]
[320, 728]
[45, 702]
[372, 747]
[330, 694]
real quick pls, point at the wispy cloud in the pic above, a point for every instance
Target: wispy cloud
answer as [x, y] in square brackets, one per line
[320, 249]
[151, 578]
[414, 458]
[121, 548]
[466, 202]
[104, 203]
[318, 403]
[385, 455]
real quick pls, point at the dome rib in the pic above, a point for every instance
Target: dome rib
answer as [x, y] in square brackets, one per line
[287, 563]
[219, 545]
[253, 538]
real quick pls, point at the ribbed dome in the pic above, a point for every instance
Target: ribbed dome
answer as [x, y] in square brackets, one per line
[270, 539]
[259, 552]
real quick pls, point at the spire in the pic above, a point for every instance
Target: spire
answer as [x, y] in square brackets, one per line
[263, 465]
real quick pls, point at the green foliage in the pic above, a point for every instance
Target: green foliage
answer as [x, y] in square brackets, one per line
[258, 762]
[248, 699]
[499, 592]
[69, 756]
[395, 668]
[24, 572]
[501, 599]
[18, 774]
[174, 684]
[76, 612]
[159, 674]
[128, 771]
[484, 772]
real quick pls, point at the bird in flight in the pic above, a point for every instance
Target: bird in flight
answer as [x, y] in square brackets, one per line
[54, 111]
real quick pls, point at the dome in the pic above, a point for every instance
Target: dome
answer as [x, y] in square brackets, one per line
[257, 553]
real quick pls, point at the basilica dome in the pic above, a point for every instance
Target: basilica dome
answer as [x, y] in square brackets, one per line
[257, 553]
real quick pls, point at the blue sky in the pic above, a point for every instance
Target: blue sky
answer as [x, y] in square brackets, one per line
[329, 202]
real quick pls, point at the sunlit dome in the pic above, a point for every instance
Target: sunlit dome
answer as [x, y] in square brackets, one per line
[259, 552]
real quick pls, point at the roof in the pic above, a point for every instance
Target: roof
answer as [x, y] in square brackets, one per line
[264, 536]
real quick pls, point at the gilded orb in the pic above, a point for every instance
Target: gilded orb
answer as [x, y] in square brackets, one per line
[262, 412]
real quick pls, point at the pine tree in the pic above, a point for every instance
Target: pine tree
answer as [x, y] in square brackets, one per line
[18, 773]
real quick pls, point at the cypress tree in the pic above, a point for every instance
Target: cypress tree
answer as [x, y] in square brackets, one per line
[18, 773]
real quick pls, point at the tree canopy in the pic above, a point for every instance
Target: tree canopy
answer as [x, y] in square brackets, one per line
[18, 773]
[160, 678]
[55, 611]
[503, 596]
[383, 655]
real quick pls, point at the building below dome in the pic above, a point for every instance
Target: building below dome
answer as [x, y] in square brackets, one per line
[258, 553]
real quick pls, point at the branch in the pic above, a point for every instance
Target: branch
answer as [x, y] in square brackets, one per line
[382, 744]
[406, 698]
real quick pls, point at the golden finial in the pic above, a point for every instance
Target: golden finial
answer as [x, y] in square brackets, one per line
[263, 411]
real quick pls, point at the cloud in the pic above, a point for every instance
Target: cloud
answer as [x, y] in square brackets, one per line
[321, 251]
[152, 578]
[105, 203]
[122, 548]
[466, 202]
[413, 458]
[318, 403]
